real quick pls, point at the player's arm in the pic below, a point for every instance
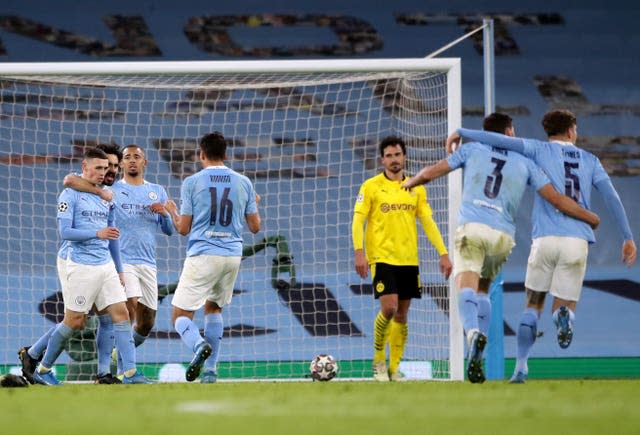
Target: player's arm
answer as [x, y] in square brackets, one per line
[67, 232]
[435, 237]
[182, 223]
[568, 206]
[65, 223]
[166, 224]
[114, 250]
[614, 204]
[629, 252]
[357, 237]
[78, 183]
[114, 245]
[433, 234]
[164, 218]
[495, 139]
[428, 173]
[360, 215]
[253, 218]
[253, 222]
[452, 142]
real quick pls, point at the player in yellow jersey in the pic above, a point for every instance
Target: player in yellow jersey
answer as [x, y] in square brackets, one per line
[389, 246]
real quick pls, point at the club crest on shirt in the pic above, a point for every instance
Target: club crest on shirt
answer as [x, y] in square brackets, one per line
[153, 196]
[62, 207]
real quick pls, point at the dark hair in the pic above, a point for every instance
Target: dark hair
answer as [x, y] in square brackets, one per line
[214, 145]
[391, 141]
[94, 153]
[497, 122]
[111, 148]
[558, 122]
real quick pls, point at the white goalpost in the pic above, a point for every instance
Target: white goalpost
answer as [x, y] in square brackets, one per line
[304, 131]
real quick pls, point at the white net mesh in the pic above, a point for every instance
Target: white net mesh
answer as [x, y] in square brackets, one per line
[307, 141]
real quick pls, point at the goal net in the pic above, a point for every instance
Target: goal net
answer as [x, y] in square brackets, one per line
[305, 133]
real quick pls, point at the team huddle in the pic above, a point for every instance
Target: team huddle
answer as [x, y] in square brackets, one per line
[107, 257]
[106, 260]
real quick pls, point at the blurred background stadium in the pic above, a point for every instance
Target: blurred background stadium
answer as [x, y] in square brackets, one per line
[575, 55]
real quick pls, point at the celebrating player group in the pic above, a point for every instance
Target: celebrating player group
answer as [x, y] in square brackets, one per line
[106, 261]
[496, 167]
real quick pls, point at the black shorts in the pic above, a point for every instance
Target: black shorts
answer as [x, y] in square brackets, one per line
[401, 280]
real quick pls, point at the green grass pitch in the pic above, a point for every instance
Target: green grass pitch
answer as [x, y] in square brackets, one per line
[336, 407]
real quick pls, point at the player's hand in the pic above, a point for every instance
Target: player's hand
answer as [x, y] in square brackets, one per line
[108, 233]
[121, 276]
[105, 194]
[452, 142]
[445, 265]
[361, 263]
[171, 207]
[407, 185]
[629, 252]
[159, 208]
[594, 221]
[258, 199]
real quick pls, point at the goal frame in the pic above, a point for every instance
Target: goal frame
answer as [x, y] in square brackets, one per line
[452, 67]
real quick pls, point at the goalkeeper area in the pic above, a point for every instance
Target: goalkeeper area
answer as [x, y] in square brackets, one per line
[305, 133]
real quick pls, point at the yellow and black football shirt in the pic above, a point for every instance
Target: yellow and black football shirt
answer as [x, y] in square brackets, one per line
[390, 214]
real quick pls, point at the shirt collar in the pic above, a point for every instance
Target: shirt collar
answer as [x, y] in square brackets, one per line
[404, 177]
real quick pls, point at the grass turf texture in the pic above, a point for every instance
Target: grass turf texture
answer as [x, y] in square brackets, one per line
[585, 407]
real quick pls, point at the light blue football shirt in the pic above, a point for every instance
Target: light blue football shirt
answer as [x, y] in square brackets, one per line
[572, 171]
[138, 225]
[494, 181]
[64, 244]
[217, 198]
[89, 212]
[63, 249]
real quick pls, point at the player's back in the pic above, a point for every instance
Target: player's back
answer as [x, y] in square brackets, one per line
[494, 181]
[572, 171]
[218, 198]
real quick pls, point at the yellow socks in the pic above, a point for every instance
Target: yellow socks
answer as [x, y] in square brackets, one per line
[398, 333]
[380, 336]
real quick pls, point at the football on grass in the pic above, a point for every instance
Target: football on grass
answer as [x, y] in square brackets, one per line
[323, 367]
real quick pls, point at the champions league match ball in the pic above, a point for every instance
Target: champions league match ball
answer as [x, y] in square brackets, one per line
[323, 368]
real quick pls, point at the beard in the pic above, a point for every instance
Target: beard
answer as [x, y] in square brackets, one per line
[394, 169]
[109, 178]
